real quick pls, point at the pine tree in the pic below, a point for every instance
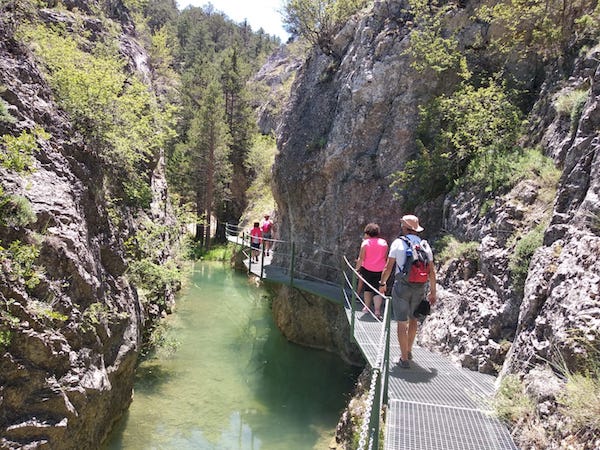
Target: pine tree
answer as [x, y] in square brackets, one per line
[208, 145]
[241, 126]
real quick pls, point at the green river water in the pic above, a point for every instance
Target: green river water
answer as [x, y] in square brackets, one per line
[234, 381]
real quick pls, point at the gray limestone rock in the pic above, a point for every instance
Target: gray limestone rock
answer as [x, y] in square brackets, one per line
[68, 361]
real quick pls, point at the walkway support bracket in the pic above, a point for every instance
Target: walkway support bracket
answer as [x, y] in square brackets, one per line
[262, 258]
[292, 262]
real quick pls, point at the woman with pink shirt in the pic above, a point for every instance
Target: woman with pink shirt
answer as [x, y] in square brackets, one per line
[255, 240]
[370, 263]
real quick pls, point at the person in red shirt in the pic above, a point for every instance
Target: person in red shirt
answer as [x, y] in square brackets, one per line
[255, 240]
[267, 232]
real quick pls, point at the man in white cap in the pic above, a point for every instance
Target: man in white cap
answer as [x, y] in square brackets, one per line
[407, 295]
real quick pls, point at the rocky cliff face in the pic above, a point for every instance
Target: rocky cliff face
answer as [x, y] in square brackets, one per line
[563, 267]
[70, 343]
[351, 123]
[552, 328]
[271, 86]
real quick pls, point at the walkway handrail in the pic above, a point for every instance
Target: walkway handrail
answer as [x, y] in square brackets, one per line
[287, 257]
[236, 230]
[375, 335]
[378, 391]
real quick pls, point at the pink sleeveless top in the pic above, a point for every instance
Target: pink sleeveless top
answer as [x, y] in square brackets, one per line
[376, 250]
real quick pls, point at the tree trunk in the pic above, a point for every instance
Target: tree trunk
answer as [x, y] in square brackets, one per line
[210, 186]
[200, 233]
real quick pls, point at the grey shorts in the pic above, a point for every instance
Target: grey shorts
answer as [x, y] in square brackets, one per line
[405, 299]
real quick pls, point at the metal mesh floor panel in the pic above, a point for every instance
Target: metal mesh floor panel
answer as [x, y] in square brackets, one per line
[433, 379]
[411, 426]
[366, 333]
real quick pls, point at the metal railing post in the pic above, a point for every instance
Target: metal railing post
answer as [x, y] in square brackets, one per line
[342, 280]
[386, 353]
[249, 253]
[375, 413]
[238, 246]
[262, 257]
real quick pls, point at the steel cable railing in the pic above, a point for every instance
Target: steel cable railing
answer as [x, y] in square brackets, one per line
[242, 237]
[294, 263]
[372, 335]
[304, 264]
[378, 390]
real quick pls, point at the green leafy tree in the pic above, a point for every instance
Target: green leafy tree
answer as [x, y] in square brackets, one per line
[194, 41]
[166, 78]
[232, 81]
[211, 47]
[469, 135]
[432, 46]
[545, 27]
[18, 261]
[241, 122]
[4, 114]
[16, 154]
[318, 20]
[115, 110]
[160, 13]
[258, 165]
[147, 266]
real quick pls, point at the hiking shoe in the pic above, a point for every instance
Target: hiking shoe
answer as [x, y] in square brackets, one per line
[404, 364]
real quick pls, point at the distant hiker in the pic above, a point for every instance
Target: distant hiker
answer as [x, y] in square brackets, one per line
[409, 282]
[370, 264]
[267, 231]
[255, 240]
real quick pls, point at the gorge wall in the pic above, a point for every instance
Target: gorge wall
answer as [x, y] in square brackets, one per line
[71, 343]
[351, 123]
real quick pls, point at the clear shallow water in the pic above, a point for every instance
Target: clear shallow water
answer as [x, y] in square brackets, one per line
[234, 382]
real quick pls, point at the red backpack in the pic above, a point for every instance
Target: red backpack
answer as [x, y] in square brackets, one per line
[418, 258]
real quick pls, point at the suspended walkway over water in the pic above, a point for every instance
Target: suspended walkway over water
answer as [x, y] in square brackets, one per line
[434, 405]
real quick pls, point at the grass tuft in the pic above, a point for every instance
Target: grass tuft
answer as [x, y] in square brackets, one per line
[511, 403]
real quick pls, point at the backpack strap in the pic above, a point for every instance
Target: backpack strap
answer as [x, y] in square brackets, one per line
[409, 245]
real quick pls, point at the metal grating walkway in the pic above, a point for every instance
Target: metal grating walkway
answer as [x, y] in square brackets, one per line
[366, 334]
[419, 426]
[434, 405]
[433, 379]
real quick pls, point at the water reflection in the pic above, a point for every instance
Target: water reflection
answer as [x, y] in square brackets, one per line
[235, 382]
